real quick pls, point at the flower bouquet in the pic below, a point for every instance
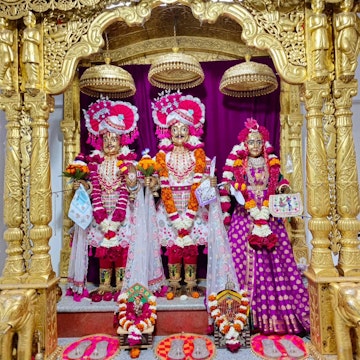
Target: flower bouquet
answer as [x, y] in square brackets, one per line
[148, 167]
[77, 170]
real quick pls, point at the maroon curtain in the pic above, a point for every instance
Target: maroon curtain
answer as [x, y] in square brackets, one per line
[225, 115]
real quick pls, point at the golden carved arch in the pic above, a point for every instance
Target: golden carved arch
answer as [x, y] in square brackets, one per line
[257, 32]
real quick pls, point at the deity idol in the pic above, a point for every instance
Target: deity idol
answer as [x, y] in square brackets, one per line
[113, 188]
[261, 249]
[182, 223]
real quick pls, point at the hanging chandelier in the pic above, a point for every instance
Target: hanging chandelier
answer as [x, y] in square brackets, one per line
[248, 79]
[107, 80]
[175, 71]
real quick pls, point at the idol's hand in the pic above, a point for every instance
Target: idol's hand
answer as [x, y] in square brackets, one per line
[213, 181]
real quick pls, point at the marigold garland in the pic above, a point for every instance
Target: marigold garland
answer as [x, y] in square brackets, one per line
[183, 225]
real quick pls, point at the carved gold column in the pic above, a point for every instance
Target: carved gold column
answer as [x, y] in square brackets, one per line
[318, 205]
[291, 150]
[40, 187]
[41, 274]
[317, 185]
[70, 127]
[347, 185]
[14, 264]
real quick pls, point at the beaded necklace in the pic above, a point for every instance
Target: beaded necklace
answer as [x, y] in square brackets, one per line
[99, 210]
[184, 224]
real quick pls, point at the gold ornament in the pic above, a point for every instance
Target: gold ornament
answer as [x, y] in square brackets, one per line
[175, 71]
[248, 79]
[107, 80]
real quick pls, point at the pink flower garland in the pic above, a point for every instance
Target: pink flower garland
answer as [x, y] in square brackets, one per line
[235, 174]
[99, 212]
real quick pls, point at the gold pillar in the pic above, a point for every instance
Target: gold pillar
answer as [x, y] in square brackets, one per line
[13, 211]
[347, 188]
[318, 206]
[40, 188]
[317, 184]
[70, 127]
[291, 150]
[41, 274]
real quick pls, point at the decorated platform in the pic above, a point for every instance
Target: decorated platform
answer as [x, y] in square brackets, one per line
[89, 317]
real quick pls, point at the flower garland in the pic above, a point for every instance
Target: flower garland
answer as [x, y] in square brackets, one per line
[134, 323]
[230, 329]
[108, 226]
[182, 224]
[235, 174]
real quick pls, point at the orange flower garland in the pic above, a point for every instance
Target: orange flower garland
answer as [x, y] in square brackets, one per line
[167, 196]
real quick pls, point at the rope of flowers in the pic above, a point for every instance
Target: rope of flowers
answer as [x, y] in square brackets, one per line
[108, 226]
[136, 324]
[231, 329]
[235, 174]
[182, 224]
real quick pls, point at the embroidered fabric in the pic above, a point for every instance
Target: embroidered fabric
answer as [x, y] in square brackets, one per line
[78, 265]
[219, 267]
[144, 247]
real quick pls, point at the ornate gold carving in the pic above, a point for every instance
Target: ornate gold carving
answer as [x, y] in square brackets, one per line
[286, 27]
[70, 127]
[329, 124]
[346, 302]
[7, 46]
[321, 317]
[17, 317]
[318, 42]
[347, 187]
[25, 152]
[15, 9]
[204, 49]
[40, 191]
[46, 316]
[14, 265]
[291, 149]
[347, 41]
[30, 55]
[92, 39]
[318, 199]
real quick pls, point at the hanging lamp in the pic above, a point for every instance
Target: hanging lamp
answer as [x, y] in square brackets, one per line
[107, 80]
[248, 79]
[175, 70]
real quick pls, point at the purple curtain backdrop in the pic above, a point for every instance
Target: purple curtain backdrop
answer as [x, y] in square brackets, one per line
[225, 117]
